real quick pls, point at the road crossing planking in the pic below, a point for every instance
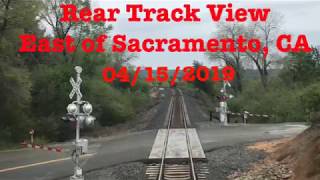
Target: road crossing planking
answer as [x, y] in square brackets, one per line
[177, 145]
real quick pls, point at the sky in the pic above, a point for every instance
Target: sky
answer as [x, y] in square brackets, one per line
[299, 17]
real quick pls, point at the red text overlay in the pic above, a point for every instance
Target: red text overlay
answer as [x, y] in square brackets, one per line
[162, 74]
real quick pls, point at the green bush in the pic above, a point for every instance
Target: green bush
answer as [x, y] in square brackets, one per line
[50, 92]
[15, 98]
[283, 104]
[111, 106]
[310, 98]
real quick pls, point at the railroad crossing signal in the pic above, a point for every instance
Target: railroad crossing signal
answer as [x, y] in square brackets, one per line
[223, 102]
[79, 117]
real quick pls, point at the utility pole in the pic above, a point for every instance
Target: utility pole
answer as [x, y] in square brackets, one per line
[78, 112]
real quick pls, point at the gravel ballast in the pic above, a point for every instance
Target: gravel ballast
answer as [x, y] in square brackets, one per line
[222, 162]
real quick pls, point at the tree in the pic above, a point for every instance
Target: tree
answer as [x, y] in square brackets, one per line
[119, 60]
[34, 87]
[301, 67]
[230, 31]
[5, 4]
[51, 15]
[15, 98]
[267, 33]
[16, 17]
[206, 86]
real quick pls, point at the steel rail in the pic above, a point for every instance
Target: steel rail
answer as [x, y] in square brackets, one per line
[185, 120]
[177, 101]
[165, 145]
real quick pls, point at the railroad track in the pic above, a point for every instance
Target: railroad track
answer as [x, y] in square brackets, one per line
[177, 169]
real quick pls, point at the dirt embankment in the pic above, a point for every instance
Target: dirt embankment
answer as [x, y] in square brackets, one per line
[292, 159]
[303, 153]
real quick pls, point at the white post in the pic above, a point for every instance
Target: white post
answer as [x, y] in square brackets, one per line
[31, 132]
[223, 105]
[223, 113]
[226, 114]
[245, 116]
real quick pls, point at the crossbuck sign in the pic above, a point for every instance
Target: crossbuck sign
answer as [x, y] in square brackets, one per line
[75, 88]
